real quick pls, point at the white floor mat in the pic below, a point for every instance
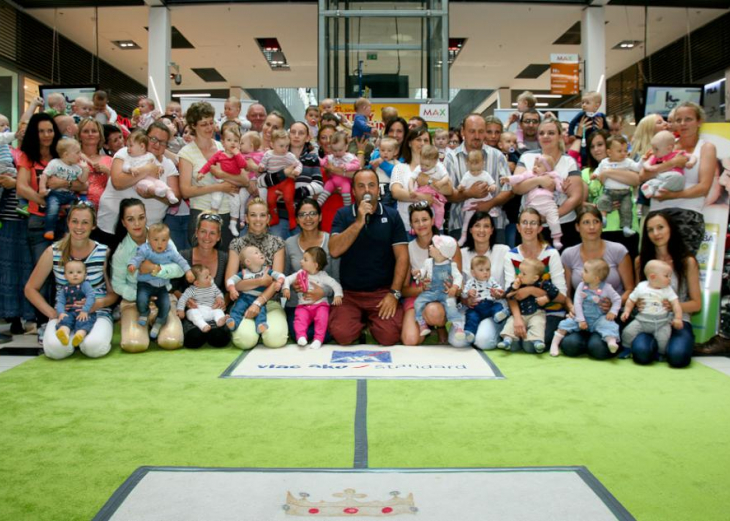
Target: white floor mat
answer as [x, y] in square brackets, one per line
[364, 362]
[535, 494]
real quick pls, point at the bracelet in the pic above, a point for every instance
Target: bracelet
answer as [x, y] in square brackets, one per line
[360, 152]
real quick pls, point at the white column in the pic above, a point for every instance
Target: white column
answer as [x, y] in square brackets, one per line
[158, 56]
[593, 50]
[727, 94]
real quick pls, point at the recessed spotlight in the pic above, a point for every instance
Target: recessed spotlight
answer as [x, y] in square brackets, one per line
[126, 44]
[627, 45]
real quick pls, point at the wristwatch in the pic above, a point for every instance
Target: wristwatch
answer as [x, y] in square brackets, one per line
[397, 294]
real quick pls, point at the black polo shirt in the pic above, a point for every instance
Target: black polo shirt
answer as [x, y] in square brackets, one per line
[369, 264]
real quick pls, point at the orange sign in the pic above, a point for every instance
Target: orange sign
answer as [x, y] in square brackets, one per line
[564, 74]
[405, 110]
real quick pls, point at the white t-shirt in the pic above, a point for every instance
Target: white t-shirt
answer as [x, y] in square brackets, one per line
[653, 298]
[607, 164]
[566, 166]
[496, 255]
[111, 198]
[192, 153]
[402, 175]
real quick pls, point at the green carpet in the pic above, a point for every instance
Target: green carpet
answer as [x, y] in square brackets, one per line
[73, 431]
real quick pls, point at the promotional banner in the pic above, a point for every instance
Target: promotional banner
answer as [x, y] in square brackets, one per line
[435, 114]
[564, 74]
[712, 252]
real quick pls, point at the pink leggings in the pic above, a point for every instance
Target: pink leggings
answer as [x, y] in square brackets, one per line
[305, 314]
[338, 181]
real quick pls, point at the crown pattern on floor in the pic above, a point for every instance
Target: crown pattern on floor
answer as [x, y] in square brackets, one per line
[349, 505]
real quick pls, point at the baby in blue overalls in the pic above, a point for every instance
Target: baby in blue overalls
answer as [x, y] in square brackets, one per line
[71, 319]
[440, 270]
[588, 313]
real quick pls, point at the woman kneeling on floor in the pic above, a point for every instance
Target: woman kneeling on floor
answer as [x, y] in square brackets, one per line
[132, 225]
[75, 246]
[208, 234]
[276, 333]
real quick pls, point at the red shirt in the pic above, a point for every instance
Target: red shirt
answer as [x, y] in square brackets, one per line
[24, 162]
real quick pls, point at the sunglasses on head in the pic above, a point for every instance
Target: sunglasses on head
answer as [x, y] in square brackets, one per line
[211, 217]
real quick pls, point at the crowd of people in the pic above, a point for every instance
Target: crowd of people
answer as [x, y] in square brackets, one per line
[534, 234]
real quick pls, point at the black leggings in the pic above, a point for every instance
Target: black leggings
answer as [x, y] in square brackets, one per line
[216, 337]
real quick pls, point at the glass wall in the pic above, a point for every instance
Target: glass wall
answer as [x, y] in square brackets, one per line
[384, 51]
[9, 96]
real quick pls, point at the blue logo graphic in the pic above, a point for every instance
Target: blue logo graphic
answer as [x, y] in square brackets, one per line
[359, 357]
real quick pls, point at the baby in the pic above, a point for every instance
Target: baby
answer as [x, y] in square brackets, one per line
[81, 108]
[159, 250]
[616, 191]
[68, 299]
[590, 105]
[362, 126]
[542, 199]
[7, 165]
[440, 269]
[653, 318]
[136, 156]
[476, 173]
[308, 311]
[441, 142]
[508, 146]
[662, 146]
[525, 101]
[57, 104]
[103, 113]
[254, 267]
[530, 275]
[69, 167]
[328, 106]
[232, 162]
[431, 178]
[486, 290]
[232, 112]
[67, 127]
[312, 117]
[147, 114]
[252, 153]
[205, 294]
[588, 313]
[384, 165]
[274, 160]
[342, 159]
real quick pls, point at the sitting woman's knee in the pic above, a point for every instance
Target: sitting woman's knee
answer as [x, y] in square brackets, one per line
[573, 344]
[434, 314]
[643, 348]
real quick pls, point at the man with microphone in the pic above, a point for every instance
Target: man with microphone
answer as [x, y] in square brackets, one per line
[371, 243]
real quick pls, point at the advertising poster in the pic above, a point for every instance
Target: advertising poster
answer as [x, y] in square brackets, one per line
[712, 252]
[436, 114]
[564, 74]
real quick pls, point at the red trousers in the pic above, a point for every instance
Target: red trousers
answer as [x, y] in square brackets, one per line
[360, 309]
[286, 187]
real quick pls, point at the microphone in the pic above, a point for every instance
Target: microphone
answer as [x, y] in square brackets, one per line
[367, 198]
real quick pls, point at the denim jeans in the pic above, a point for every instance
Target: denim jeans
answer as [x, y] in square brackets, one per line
[145, 292]
[178, 225]
[579, 342]
[679, 349]
[239, 308]
[54, 201]
[38, 244]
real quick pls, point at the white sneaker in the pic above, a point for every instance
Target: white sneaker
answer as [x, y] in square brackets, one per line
[315, 344]
[302, 341]
[628, 232]
[233, 228]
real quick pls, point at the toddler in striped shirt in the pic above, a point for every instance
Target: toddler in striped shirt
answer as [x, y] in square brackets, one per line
[205, 294]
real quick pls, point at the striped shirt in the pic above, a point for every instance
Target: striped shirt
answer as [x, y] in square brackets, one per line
[494, 163]
[273, 163]
[95, 273]
[201, 296]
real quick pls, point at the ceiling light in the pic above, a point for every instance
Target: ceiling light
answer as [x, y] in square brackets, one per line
[627, 45]
[126, 44]
[199, 95]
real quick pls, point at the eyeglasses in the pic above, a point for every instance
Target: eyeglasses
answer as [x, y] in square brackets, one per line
[211, 217]
[156, 141]
[454, 142]
[531, 224]
[531, 121]
[306, 215]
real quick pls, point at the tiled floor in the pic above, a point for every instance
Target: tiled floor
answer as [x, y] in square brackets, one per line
[719, 363]
[9, 360]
